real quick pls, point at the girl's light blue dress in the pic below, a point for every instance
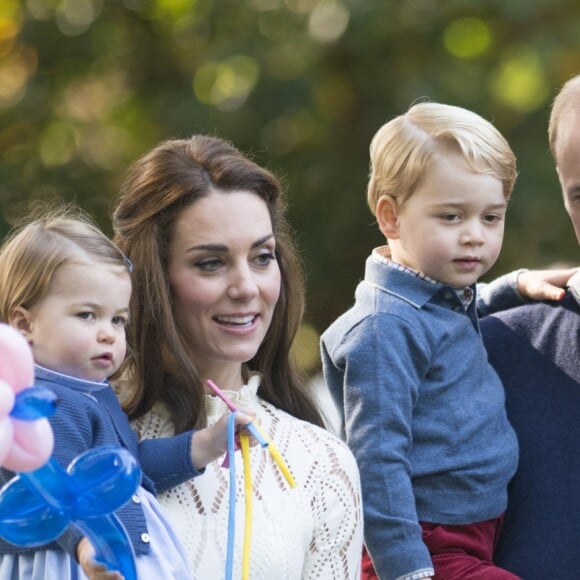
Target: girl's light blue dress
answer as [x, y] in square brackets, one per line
[165, 561]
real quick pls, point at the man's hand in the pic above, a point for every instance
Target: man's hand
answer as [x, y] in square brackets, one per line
[544, 284]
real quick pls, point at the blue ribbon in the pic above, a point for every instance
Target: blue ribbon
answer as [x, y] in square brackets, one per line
[232, 496]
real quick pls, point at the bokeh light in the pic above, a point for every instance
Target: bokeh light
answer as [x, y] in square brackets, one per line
[226, 84]
[306, 347]
[520, 80]
[467, 37]
[328, 21]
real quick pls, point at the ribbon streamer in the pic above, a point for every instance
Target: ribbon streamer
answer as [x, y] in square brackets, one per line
[229, 461]
[232, 496]
[245, 445]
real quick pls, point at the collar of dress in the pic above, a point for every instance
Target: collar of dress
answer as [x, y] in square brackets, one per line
[244, 397]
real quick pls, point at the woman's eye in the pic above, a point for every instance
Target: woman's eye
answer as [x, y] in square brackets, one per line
[449, 217]
[209, 264]
[119, 320]
[264, 258]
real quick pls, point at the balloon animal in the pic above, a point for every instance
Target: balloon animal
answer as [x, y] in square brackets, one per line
[26, 439]
[43, 499]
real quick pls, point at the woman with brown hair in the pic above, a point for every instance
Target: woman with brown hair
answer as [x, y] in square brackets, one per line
[218, 294]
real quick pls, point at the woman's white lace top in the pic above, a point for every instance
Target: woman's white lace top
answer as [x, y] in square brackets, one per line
[312, 531]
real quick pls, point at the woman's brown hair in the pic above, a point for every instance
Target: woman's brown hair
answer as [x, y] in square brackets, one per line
[158, 187]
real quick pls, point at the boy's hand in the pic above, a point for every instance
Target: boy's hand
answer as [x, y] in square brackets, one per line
[212, 442]
[92, 569]
[544, 284]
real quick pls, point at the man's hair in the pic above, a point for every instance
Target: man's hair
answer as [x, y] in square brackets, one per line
[567, 99]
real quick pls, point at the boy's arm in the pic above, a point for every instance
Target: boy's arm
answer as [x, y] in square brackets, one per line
[500, 294]
[521, 286]
[375, 370]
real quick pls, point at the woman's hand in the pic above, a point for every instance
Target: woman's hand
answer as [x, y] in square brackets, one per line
[92, 569]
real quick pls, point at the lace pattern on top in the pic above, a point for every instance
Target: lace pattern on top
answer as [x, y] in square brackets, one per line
[313, 531]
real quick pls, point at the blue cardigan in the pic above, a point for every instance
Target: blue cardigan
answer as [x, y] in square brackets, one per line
[535, 350]
[89, 415]
[423, 413]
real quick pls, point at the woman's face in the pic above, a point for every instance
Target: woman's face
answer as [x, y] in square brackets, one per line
[225, 281]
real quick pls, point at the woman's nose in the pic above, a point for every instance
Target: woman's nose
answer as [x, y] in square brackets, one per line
[242, 284]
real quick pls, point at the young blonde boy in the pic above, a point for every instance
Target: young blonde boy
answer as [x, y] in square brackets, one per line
[423, 409]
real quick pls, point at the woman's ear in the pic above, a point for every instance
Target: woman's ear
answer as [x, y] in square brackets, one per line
[388, 216]
[21, 320]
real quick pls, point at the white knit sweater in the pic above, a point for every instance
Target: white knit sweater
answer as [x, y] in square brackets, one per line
[313, 531]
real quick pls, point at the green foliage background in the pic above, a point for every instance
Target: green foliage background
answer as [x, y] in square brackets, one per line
[302, 85]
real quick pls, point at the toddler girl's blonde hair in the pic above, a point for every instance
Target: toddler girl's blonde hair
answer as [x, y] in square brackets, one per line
[34, 250]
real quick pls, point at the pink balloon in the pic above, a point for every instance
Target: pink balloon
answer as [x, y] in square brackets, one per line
[31, 445]
[6, 436]
[6, 399]
[6, 430]
[24, 445]
[16, 361]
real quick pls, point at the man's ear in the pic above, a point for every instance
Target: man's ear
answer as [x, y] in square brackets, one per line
[560, 178]
[387, 213]
[21, 320]
[561, 186]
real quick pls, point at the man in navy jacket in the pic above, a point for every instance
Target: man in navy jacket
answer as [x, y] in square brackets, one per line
[535, 350]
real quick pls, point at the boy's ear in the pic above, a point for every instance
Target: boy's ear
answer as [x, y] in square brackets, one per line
[388, 216]
[21, 320]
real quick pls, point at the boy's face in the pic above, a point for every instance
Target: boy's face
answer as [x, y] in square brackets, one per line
[451, 228]
[568, 155]
[78, 328]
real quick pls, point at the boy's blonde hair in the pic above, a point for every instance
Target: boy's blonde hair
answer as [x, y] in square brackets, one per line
[403, 149]
[35, 249]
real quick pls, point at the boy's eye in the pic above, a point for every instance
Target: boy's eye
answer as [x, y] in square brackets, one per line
[449, 217]
[492, 218]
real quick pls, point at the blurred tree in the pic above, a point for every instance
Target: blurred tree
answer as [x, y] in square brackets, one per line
[302, 85]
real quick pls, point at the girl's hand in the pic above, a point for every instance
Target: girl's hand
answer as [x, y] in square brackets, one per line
[94, 570]
[212, 442]
[544, 284]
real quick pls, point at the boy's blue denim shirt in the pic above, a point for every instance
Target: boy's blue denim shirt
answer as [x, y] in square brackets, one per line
[423, 412]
